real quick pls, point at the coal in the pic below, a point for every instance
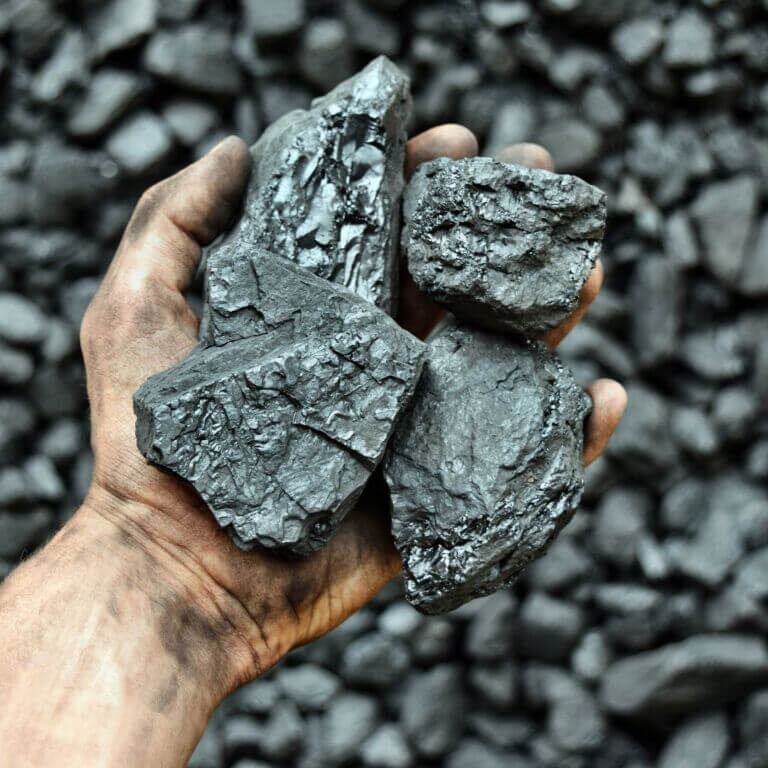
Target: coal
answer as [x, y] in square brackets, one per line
[502, 246]
[195, 57]
[725, 214]
[122, 23]
[348, 722]
[110, 93]
[508, 401]
[701, 672]
[141, 143]
[326, 185]
[317, 375]
[702, 742]
[387, 748]
[432, 710]
[310, 686]
[21, 321]
[680, 150]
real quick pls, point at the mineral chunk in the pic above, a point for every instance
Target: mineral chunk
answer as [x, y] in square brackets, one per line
[486, 467]
[701, 672]
[502, 246]
[281, 414]
[326, 184]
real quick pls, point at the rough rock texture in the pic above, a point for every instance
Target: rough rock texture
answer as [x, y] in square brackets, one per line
[292, 373]
[684, 677]
[503, 246]
[326, 184]
[486, 466]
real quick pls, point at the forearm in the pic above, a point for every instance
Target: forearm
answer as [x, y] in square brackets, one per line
[105, 659]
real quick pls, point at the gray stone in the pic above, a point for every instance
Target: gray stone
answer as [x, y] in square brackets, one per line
[110, 93]
[387, 747]
[655, 297]
[256, 698]
[503, 246]
[21, 320]
[433, 710]
[693, 431]
[373, 32]
[574, 144]
[400, 620]
[701, 672]
[591, 657]
[347, 723]
[208, 752]
[122, 23]
[16, 420]
[189, 120]
[701, 742]
[576, 724]
[717, 353]
[621, 516]
[754, 280]
[67, 67]
[468, 514]
[490, 634]
[20, 532]
[725, 214]
[269, 19]
[326, 55]
[495, 683]
[16, 367]
[549, 628]
[565, 565]
[472, 753]
[638, 39]
[642, 441]
[292, 371]
[680, 246]
[309, 685]
[326, 183]
[375, 661]
[690, 41]
[197, 57]
[140, 143]
[282, 734]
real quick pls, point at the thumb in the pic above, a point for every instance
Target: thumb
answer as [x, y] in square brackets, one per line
[175, 218]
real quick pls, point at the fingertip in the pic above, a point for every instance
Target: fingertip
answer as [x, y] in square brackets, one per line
[449, 140]
[609, 401]
[527, 154]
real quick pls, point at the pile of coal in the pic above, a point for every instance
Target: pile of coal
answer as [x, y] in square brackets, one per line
[655, 592]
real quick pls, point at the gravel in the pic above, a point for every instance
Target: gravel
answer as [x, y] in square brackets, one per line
[651, 604]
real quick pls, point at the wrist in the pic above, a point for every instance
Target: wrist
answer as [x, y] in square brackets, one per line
[201, 625]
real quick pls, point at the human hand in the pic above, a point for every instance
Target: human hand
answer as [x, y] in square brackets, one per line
[254, 606]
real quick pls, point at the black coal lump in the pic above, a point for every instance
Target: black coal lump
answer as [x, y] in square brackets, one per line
[486, 466]
[282, 413]
[326, 184]
[505, 247]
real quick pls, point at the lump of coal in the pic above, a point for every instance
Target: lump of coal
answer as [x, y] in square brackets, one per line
[503, 246]
[486, 466]
[282, 413]
[699, 673]
[326, 184]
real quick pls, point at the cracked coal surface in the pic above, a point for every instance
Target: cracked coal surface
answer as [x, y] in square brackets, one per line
[662, 105]
[292, 372]
[326, 184]
[485, 468]
[502, 246]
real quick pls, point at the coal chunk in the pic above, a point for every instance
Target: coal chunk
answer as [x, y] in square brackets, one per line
[503, 246]
[486, 466]
[195, 56]
[292, 372]
[326, 184]
[698, 673]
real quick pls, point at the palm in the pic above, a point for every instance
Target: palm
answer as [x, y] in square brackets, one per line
[140, 323]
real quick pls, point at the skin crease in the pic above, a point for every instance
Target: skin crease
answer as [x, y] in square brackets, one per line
[141, 615]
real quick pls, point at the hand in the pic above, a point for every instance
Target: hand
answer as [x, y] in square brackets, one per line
[255, 606]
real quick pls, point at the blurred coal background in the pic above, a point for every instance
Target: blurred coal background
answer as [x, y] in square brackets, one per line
[638, 641]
